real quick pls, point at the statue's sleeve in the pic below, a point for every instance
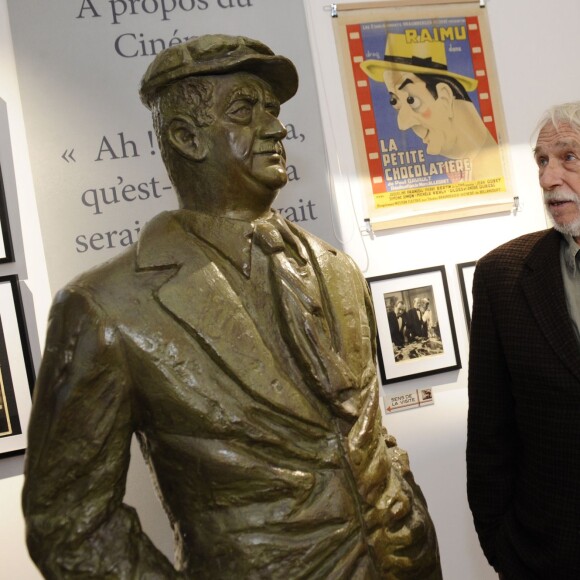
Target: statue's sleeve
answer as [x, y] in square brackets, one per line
[80, 432]
[401, 530]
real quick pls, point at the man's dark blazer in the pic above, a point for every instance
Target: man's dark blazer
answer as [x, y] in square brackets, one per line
[415, 328]
[523, 448]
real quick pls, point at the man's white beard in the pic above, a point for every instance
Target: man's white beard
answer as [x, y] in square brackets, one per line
[572, 228]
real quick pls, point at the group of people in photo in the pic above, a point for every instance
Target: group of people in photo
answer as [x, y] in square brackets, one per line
[410, 320]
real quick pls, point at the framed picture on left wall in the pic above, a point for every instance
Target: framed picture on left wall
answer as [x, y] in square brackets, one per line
[6, 254]
[16, 369]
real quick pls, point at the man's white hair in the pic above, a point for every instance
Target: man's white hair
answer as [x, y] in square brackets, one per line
[558, 115]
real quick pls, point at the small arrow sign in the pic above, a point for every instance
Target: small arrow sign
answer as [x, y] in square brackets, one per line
[68, 155]
[416, 398]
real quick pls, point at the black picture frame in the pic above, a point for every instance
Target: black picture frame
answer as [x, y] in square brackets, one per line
[6, 250]
[16, 369]
[465, 272]
[422, 341]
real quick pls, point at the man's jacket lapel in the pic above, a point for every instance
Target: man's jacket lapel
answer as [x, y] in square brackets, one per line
[542, 284]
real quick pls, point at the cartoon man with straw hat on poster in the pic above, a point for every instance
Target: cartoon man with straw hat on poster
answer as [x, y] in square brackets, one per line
[434, 103]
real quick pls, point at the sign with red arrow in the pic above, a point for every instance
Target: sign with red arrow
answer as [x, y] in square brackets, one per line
[402, 402]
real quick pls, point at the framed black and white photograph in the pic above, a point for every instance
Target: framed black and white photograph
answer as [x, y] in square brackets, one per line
[465, 273]
[16, 370]
[416, 333]
[6, 254]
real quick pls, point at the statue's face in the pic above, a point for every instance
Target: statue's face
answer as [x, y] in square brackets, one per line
[246, 137]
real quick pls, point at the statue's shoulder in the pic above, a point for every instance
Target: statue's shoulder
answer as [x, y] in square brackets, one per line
[123, 273]
[102, 273]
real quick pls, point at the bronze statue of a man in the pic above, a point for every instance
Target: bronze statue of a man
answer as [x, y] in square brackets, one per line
[241, 351]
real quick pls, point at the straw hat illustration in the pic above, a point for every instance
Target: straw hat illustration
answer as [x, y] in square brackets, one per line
[414, 57]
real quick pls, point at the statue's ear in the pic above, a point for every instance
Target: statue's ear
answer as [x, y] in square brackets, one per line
[187, 139]
[445, 95]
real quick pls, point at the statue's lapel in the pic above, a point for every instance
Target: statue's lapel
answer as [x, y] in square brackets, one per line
[201, 299]
[344, 297]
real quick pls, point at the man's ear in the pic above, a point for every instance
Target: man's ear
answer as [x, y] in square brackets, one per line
[187, 139]
[445, 95]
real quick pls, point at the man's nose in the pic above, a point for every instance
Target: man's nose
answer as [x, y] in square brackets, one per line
[551, 175]
[405, 118]
[272, 127]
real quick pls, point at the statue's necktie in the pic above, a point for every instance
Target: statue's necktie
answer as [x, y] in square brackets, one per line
[304, 323]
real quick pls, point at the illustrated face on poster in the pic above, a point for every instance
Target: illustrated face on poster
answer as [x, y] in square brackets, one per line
[429, 116]
[426, 100]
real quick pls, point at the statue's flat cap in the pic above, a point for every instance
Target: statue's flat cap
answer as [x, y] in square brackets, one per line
[216, 54]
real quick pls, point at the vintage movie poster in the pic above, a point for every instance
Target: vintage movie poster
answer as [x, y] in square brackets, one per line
[428, 115]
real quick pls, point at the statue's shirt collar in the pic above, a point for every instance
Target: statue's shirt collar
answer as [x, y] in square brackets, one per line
[232, 238]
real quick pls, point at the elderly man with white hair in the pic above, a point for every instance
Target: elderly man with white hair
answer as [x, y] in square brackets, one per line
[523, 463]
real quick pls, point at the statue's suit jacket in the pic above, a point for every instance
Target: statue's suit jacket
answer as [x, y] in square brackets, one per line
[523, 453]
[259, 477]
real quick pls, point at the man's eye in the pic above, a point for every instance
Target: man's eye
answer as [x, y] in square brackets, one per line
[542, 161]
[241, 111]
[394, 102]
[413, 102]
[570, 157]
